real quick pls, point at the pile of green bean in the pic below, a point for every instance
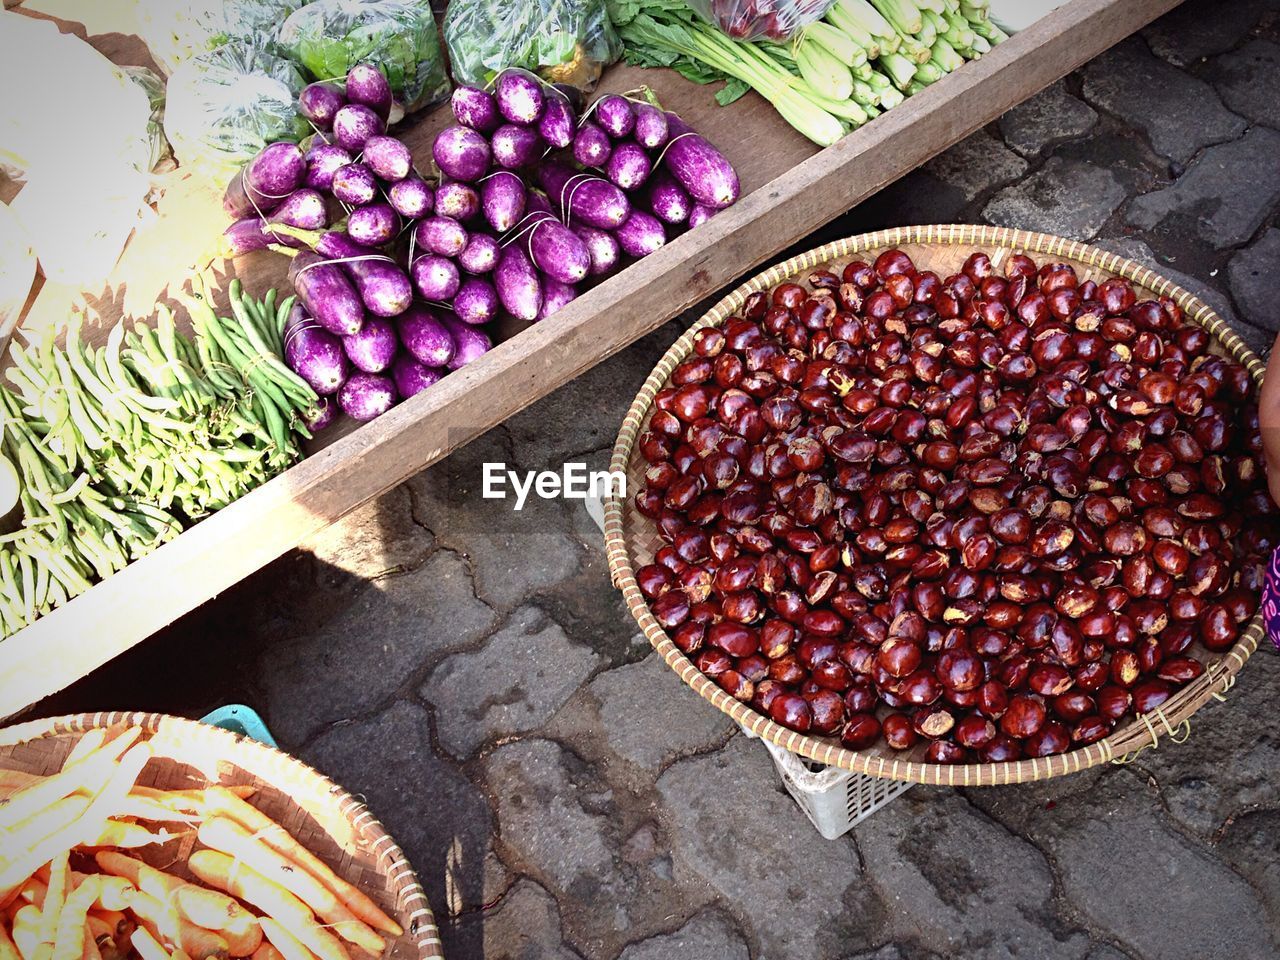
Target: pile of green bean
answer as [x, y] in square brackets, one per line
[119, 448]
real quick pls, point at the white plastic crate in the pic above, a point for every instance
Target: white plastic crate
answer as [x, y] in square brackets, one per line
[834, 800]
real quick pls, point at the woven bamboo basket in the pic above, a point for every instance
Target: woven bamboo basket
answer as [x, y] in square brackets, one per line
[329, 821]
[631, 540]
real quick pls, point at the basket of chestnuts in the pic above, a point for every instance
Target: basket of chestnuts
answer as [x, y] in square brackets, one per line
[950, 504]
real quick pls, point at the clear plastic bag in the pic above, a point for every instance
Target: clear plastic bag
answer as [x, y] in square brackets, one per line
[563, 41]
[761, 19]
[175, 32]
[329, 37]
[225, 105]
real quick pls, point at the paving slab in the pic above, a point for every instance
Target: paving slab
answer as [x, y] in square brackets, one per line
[371, 648]
[1178, 113]
[1198, 29]
[1224, 196]
[438, 816]
[524, 925]
[650, 716]
[513, 683]
[708, 936]
[1070, 198]
[1051, 117]
[958, 883]
[1254, 274]
[733, 829]
[976, 165]
[1248, 80]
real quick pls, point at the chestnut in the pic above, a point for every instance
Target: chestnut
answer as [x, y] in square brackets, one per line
[860, 731]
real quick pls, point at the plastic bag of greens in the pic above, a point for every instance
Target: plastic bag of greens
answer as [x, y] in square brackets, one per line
[153, 86]
[761, 19]
[177, 31]
[225, 105]
[563, 41]
[329, 37]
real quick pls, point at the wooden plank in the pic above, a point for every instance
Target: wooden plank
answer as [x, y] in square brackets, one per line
[220, 551]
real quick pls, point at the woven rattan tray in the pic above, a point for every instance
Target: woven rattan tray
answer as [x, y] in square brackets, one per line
[631, 539]
[329, 821]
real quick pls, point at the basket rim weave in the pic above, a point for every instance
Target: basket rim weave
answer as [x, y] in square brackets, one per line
[410, 899]
[1172, 720]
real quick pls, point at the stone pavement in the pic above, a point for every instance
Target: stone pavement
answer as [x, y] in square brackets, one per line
[472, 673]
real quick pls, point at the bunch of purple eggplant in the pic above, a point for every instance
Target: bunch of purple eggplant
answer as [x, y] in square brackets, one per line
[530, 202]
[359, 336]
[565, 196]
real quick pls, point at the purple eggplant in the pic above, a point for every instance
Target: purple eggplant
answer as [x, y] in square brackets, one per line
[459, 201]
[355, 184]
[555, 249]
[323, 161]
[603, 248]
[515, 146]
[554, 296]
[699, 167]
[628, 166]
[249, 234]
[538, 202]
[595, 202]
[480, 254]
[382, 285]
[442, 235]
[366, 396]
[436, 277]
[558, 124]
[652, 131]
[275, 172]
[374, 347]
[354, 124]
[503, 197]
[412, 377]
[303, 208]
[699, 215]
[367, 85]
[471, 343]
[320, 414]
[615, 115]
[476, 301]
[666, 199]
[423, 333]
[462, 153]
[641, 235]
[520, 97]
[411, 198]
[517, 283]
[475, 108]
[592, 146]
[326, 292]
[320, 103]
[388, 158]
[314, 353]
[373, 225]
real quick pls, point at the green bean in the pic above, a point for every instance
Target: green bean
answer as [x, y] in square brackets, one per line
[28, 587]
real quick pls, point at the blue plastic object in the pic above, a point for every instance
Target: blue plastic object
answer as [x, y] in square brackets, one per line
[243, 720]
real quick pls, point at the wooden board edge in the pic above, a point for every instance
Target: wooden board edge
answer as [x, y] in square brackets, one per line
[153, 592]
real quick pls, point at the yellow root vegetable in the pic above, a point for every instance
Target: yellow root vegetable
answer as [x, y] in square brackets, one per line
[219, 800]
[231, 838]
[284, 941]
[219, 870]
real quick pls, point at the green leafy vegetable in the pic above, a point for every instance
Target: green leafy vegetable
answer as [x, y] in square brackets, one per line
[329, 37]
[564, 41]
